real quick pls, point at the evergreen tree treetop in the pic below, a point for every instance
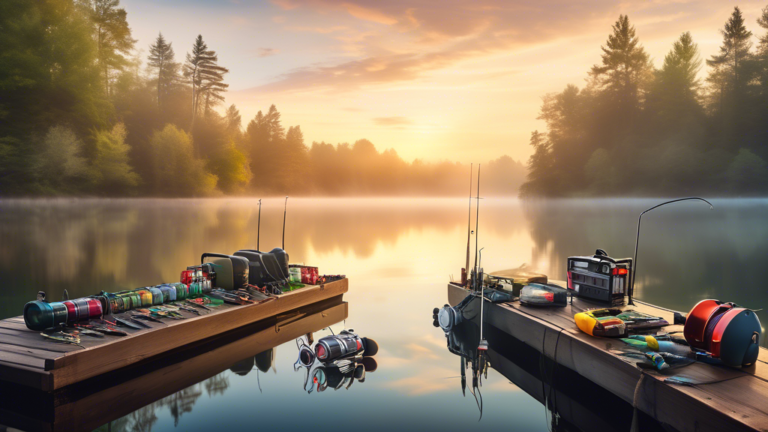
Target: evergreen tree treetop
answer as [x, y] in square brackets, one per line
[736, 44]
[624, 64]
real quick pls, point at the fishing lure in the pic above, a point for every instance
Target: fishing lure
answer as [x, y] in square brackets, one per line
[657, 360]
[124, 323]
[106, 321]
[230, 297]
[147, 317]
[190, 310]
[164, 314]
[63, 337]
[86, 332]
[198, 303]
[104, 330]
[140, 323]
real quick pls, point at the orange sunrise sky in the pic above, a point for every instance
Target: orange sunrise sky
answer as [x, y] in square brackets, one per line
[436, 80]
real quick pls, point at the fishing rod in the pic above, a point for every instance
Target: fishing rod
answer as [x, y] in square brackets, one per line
[258, 229]
[631, 291]
[285, 211]
[477, 221]
[469, 217]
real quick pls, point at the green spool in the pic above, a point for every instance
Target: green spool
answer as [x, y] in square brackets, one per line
[136, 301]
[182, 291]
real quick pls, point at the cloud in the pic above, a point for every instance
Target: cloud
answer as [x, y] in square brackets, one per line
[407, 40]
[321, 30]
[391, 121]
[402, 41]
[285, 4]
[266, 52]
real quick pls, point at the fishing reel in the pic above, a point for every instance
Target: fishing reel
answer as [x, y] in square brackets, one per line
[345, 344]
[336, 361]
[337, 375]
[447, 318]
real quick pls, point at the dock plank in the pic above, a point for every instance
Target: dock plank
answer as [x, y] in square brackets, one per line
[30, 352]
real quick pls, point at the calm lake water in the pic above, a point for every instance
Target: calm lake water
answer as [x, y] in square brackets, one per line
[398, 254]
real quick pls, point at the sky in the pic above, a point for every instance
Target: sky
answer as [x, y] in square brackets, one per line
[434, 80]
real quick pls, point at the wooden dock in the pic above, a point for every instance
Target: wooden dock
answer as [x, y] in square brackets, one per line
[96, 402]
[719, 398]
[28, 359]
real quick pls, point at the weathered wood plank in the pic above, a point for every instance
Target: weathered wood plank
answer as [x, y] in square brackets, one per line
[31, 352]
[25, 375]
[34, 340]
[22, 359]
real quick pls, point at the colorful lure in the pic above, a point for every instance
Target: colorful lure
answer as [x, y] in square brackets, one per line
[63, 337]
[657, 360]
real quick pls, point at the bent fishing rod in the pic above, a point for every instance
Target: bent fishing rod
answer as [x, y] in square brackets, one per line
[631, 291]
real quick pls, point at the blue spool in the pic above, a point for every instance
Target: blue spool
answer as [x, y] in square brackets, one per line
[157, 295]
[169, 292]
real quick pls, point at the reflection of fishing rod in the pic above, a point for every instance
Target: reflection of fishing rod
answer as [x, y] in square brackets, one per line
[258, 229]
[631, 291]
[285, 211]
[469, 219]
[483, 346]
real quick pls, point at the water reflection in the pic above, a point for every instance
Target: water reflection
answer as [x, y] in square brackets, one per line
[336, 361]
[177, 404]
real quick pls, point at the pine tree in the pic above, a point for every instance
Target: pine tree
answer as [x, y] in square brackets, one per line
[206, 77]
[625, 66]
[275, 127]
[763, 22]
[733, 57]
[675, 91]
[161, 59]
[233, 120]
[762, 53]
[540, 168]
[682, 65]
[113, 38]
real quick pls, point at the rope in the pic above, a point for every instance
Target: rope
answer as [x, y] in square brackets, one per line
[635, 417]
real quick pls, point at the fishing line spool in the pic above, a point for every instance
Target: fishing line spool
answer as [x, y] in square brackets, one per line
[39, 315]
[724, 330]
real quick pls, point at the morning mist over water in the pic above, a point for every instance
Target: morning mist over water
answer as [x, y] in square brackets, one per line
[385, 246]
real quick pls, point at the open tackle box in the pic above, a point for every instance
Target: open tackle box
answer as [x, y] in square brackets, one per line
[600, 277]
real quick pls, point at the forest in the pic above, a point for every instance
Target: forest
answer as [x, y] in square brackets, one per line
[82, 114]
[637, 130]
